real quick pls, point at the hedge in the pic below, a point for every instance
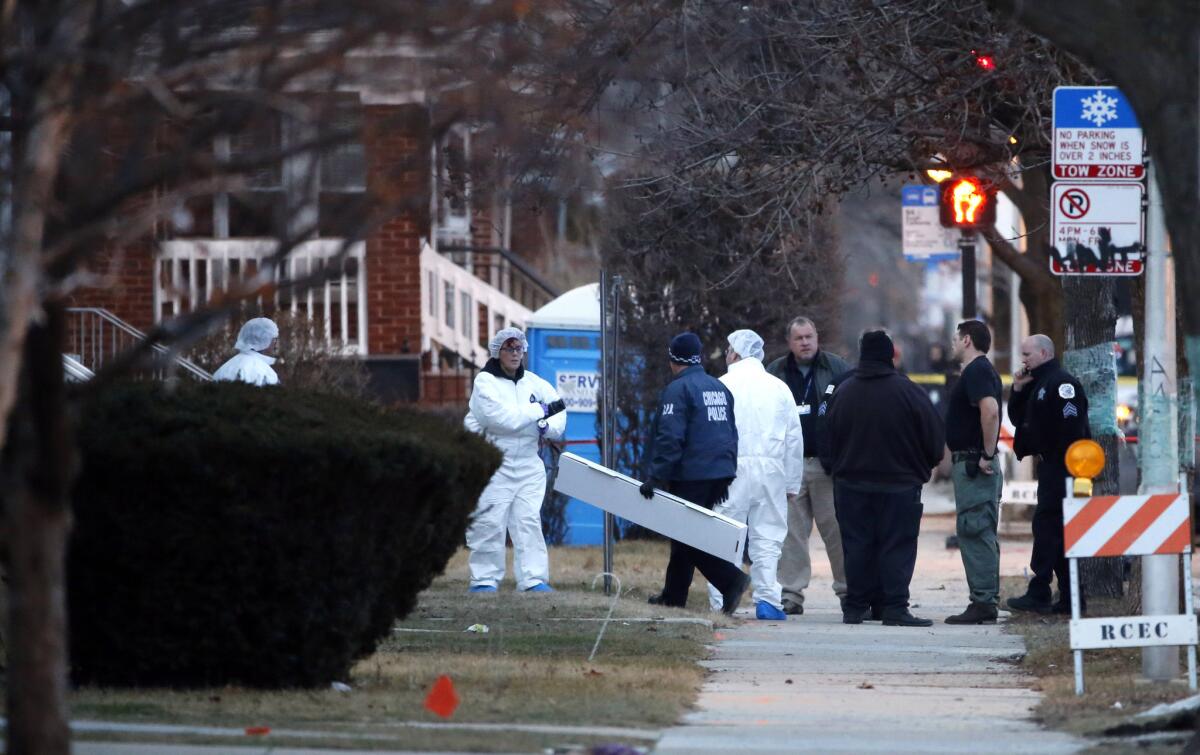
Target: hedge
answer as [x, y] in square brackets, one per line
[268, 537]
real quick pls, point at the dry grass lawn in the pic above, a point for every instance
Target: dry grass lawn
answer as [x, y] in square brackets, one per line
[531, 667]
[1110, 677]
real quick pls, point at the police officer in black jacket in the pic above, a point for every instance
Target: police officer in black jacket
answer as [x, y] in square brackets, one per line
[694, 456]
[884, 438]
[1049, 410]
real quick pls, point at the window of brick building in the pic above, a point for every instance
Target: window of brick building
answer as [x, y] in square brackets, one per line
[310, 194]
[452, 186]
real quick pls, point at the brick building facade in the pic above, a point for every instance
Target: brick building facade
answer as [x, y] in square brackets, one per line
[420, 317]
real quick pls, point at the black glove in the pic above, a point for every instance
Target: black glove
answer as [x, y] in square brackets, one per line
[647, 489]
[554, 407]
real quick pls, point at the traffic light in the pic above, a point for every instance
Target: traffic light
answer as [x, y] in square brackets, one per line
[967, 203]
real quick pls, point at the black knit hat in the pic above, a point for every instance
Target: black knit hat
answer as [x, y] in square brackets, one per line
[876, 346]
[685, 349]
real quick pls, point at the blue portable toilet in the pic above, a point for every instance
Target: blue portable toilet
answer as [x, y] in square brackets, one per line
[564, 350]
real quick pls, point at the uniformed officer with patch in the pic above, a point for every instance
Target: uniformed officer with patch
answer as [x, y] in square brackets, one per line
[1049, 410]
[694, 456]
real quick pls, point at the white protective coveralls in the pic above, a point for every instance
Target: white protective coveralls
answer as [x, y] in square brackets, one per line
[249, 366]
[507, 413]
[770, 463]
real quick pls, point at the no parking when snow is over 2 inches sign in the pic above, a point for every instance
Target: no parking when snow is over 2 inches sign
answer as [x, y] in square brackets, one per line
[1096, 136]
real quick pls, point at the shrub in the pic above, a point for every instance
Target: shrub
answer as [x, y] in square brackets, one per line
[232, 534]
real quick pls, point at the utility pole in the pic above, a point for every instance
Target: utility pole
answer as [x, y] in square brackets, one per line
[966, 248]
[1158, 432]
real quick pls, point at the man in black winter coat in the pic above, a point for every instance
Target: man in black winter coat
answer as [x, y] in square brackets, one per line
[884, 439]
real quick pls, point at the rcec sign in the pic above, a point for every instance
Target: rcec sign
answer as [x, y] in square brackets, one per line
[1096, 206]
[1130, 525]
[1133, 631]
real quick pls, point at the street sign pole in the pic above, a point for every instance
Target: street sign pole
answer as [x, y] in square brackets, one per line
[966, 249]
[1158, 431]
[606, 407]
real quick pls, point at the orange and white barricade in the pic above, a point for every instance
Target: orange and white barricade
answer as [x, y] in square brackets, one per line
[1129, 525]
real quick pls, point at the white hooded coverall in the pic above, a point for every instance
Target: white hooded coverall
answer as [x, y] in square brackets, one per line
[502, 411]
[249, 366]
[770, 465]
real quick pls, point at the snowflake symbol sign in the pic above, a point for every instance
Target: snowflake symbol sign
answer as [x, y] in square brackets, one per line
[1099, 108]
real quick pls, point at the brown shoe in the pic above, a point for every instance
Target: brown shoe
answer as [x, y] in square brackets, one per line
[976, 613]
[795, 609]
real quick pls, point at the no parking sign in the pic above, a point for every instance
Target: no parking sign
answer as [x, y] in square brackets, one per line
[1097, 228]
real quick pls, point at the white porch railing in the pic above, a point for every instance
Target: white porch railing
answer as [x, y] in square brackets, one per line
[191, 271]
[96, 336]
[454, 300]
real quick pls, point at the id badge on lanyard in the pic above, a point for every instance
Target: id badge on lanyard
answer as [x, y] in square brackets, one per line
[805, 408]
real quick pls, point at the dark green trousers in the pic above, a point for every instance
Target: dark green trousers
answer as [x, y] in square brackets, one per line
[977, 501]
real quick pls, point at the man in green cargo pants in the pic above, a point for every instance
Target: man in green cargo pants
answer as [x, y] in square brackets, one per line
[972, 431]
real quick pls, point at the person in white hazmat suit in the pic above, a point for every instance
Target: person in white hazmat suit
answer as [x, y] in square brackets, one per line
[514, 409]
[252, 365]
[770, 467]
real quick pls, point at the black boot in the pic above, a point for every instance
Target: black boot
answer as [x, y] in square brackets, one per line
[657, 600]
[731, 598]
[902, 618]
[1029, 603]
[976, 613]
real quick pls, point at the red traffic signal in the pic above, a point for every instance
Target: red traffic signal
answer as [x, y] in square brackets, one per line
[984, 60]
[967, 203]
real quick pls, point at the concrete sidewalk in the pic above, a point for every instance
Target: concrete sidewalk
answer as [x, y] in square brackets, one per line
[813, 684]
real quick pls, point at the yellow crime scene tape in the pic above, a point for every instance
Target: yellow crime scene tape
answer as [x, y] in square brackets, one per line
[935, 378]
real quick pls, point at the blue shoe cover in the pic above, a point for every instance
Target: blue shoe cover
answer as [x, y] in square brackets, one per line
[767, 612]
[482, 588]
[539, 587]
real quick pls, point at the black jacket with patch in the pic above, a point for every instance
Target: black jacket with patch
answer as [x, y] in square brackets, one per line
[1049, 414]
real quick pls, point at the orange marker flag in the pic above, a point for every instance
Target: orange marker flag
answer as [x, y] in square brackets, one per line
[442, 699]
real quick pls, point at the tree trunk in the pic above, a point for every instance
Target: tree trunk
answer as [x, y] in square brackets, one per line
[1043, 302]
[39, 467]
[1041, 290]
[1091, 317]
